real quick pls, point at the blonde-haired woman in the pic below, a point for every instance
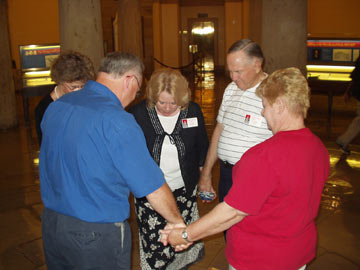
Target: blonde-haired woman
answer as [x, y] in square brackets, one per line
[176, 137]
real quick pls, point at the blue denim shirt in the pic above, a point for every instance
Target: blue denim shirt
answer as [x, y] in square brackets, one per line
[93, 154]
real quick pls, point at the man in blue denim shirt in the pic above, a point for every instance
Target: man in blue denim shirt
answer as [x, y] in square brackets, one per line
[93, 155]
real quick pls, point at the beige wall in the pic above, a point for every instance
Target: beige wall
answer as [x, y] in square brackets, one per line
[32, 22]
[334, 18]
[192, 12]
[235, 27]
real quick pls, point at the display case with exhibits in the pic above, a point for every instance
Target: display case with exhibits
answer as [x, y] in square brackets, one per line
[35, 67]
[35, 63]
[331, 59]
[330, 63]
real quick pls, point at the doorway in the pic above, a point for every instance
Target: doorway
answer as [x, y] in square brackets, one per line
[203, 43]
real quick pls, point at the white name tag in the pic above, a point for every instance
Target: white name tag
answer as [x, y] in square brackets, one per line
[189, 122]
[253, 120]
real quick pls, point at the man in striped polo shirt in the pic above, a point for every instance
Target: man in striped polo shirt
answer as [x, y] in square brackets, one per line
[240, 124]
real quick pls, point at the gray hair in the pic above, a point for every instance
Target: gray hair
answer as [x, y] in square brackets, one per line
[118, 63]
[250, 48]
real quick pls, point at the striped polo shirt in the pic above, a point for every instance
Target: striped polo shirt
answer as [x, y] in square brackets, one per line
[243, 124]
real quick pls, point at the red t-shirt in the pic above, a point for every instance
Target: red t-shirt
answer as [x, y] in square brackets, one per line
[278, 183]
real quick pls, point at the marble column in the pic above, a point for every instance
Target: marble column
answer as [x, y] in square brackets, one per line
[280, 27]
[130, 27]
[8, 116]
[81, 28]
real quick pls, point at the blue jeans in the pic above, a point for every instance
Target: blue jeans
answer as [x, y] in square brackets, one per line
[70, 243]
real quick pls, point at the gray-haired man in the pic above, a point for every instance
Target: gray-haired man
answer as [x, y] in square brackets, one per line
[240, 124]
[92, 156]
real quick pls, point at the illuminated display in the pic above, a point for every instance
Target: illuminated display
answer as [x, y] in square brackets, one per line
[329, 73]
[38, 57]
[340, 51]
[35, 63]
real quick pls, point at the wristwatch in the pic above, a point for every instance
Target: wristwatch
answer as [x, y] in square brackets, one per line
[184, 235]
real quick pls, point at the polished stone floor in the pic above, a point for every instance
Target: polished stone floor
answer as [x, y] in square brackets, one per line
[338, 221]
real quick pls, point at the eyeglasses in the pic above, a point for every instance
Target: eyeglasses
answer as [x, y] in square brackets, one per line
[139, 86]
[73, 87]
[137, 81]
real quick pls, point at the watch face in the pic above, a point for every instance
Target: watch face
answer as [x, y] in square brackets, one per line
[185, 235]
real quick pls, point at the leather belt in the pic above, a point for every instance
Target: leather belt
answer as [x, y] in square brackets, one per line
[226, 164]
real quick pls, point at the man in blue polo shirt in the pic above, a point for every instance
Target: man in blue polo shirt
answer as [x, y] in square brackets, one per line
[93, 154]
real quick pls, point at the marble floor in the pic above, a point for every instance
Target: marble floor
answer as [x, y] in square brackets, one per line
[338, 220]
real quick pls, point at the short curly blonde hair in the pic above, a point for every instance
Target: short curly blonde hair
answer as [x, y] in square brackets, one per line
[172, 82]
[289, 84]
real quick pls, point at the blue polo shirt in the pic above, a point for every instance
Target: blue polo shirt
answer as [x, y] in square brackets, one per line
[93, 154]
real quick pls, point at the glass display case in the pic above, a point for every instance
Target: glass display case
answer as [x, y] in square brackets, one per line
[35, 68]
[330, 63]
[35, 63]
[331, 59]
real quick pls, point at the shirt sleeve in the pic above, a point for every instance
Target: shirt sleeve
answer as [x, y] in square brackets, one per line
[253, 182]
[130, 155]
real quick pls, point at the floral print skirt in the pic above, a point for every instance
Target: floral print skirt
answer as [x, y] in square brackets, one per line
[153, 254]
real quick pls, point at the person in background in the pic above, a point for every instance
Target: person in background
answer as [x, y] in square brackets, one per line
[354, 127]
[176, 138]
[93, 154]
[239, 122]
[271, 208]
[70, 71]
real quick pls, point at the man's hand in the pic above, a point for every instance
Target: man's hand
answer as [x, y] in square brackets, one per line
[206, 186]
[167, 229]
[174, 232]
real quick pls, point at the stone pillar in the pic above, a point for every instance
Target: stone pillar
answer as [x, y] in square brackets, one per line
[8, 117]
[81, 28]
[130, 27]
[280, 27]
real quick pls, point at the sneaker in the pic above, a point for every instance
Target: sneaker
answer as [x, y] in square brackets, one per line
[344, 149]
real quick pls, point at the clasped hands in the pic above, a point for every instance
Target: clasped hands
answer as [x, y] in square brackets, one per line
[172, 234]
